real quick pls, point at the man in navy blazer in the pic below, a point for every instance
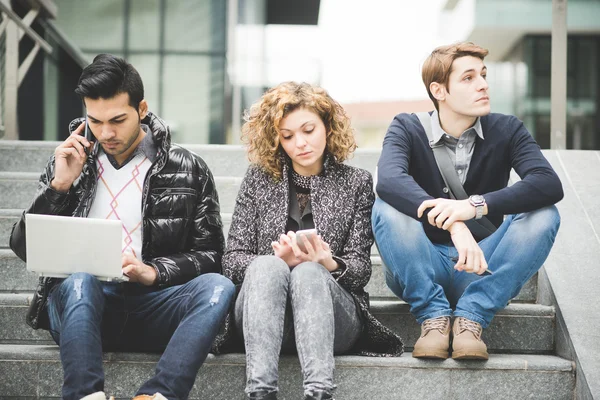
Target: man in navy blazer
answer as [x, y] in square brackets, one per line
[433, 261]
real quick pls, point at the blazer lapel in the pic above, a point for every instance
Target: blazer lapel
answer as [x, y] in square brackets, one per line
[274, 218]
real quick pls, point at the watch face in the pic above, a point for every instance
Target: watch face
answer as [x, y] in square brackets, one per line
[477, 199]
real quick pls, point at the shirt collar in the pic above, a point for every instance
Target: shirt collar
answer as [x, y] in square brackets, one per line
[147, 147]
[438, 133]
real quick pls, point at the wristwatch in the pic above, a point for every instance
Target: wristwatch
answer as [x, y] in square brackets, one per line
[478, 202]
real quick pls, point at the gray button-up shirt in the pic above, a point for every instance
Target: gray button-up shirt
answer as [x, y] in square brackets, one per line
[461, 149]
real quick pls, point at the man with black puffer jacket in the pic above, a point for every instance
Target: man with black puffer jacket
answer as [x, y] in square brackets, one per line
[165, 197]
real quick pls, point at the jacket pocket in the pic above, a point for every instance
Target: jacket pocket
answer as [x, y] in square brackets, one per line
[173, 202]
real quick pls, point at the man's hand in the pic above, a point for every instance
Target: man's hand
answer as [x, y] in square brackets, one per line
[445, 212]
[137, 271]
[69, 160]
[470, 256]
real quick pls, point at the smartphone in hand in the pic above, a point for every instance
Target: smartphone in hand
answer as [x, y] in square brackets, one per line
[87, 133]
[303, 235]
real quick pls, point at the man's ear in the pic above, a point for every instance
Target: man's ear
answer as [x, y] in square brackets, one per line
[143, 109]
[438, 91]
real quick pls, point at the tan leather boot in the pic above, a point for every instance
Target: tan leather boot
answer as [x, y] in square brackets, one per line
[466, 342]
[434, 341]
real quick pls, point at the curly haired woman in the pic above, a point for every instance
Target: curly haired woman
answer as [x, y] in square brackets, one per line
[310, 299]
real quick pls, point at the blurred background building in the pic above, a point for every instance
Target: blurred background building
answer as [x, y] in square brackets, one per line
[204, 62]
[517, 33]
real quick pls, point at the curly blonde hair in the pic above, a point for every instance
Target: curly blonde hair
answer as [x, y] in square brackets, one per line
[261, 128]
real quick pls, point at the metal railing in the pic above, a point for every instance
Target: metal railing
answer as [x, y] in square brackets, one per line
[12, 72]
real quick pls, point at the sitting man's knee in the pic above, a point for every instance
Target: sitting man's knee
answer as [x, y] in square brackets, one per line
[82, 279]
[79, 285]
[547, 218]
[223, 288]
[384, 213]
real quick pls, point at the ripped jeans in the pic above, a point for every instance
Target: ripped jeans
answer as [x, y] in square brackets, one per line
[88, 316]
[280, 309]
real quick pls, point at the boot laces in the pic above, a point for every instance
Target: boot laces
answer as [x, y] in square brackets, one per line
[471, 326]
[439, 323]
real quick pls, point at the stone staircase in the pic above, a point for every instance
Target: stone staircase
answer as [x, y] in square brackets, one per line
[522, 338]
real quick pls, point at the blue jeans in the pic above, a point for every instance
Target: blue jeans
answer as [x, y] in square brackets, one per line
[88, 316]
[422, 273]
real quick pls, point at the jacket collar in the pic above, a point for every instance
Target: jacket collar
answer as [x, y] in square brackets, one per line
[161, 134]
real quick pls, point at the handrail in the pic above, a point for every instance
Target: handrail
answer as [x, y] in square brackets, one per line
[30, 32]
[64, 42]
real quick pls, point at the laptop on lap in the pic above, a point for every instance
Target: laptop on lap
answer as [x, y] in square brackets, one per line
[60, 246]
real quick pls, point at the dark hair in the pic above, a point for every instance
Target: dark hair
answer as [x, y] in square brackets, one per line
[108, 76]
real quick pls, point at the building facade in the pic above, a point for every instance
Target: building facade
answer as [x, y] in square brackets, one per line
[518, 36]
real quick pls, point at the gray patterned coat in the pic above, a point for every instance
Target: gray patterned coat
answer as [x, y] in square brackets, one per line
[341, 200]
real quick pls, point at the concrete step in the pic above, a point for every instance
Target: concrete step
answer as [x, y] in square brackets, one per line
[35, 371]
[16, 278]
[8, 217]
[18, 188]
[223, 160]
[519, 328]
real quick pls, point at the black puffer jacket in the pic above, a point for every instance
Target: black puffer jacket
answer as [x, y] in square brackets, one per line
[182, 229]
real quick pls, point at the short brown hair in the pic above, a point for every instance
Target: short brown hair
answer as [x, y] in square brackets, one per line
[438, 66]
[261, 129]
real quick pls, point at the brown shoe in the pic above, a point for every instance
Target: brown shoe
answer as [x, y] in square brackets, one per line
[466, 342]
[435, 339]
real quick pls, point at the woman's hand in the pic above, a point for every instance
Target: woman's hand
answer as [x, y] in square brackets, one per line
[283, 250]
[316, 251]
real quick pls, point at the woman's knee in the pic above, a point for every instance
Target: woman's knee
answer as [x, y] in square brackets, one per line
[309, 273]
[268, 267]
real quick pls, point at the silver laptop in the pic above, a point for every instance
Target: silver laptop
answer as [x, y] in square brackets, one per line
[59, 246]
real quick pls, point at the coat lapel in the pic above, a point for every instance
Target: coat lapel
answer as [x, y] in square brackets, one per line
[273, 217]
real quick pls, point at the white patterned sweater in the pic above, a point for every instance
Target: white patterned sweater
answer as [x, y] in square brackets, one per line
[119, 197]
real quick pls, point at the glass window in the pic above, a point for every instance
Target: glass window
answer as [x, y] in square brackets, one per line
[186, 90]
[147, 66]
[94, 26]
[195, 26]
[144, 25]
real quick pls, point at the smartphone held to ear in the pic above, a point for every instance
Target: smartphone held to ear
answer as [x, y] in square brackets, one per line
[88, 132]
[303, 235]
